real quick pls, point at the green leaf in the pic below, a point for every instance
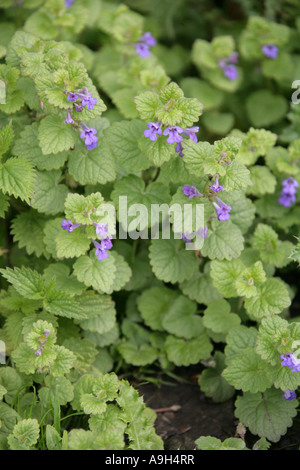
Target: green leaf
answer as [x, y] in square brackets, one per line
[158, 152]
[213, 384]
[49, 196]
[217, 317]
[264, 108]
[250, 278]
[64, 281]
[274, 338]
[122, 139]
[186, 352]
[84, 351]
[62, 304]
[272, 298]
[70, 245]
[140, 429]
[17, 178]
[243, 209]
[153, 304]
[263, 181]
[28, 231]
[25, 434]
[248, 372]
[200, 288]
[55, 136]
[194, 155]
[97, 274]
[133, 188]
[181, 319]
[27, 282]
[224, 274]
[272, 250]
[267, 414]
[100, 312]
[137, 355]
[63, 362]
[237, 177]
[28, 147]
[212, 443]
[146, 104]
[11, 383]
[6, 137]
[238, 340]
[224, 242]
[171, 262]
[93, 167]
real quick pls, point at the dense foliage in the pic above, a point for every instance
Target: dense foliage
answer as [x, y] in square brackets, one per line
[168, 103]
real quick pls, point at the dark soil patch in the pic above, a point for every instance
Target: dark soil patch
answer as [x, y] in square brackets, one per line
[198, 416]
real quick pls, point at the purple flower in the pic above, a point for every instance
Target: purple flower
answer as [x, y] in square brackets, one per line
[72, 97]
[68, 3]
[153, 131]
[101, 230]
[216, 187]
[78, 107]
[190, 191]
[230, 71]
[173, 133]
[286, 200]
[179, 149]
[289, 395]
[290, 184]
[142, 49]
[186, 237]
[233, 59]
[87, 100]
[106, 243]
[68, 225]
[38, 352]
[69, 119]
[101, 248]
[148, 39]
[202, 232]
[222, 210]
[100, 251]
[46, 333]
[270, 51]
[290, 361]
[288, 192]
[90, 138]
[191, 132]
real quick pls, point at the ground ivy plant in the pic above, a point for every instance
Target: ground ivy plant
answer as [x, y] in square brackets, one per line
[97, 117]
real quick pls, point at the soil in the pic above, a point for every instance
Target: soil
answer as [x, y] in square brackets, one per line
[198, 416]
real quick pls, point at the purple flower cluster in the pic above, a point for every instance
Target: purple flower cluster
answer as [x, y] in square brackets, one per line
[89, 136]
[201, 232]
[68, 225]
[290, 361]
[69, 3]
[289, 395]
[173, 133]
[222, 210]
[228, 66]
[42, 342]
[105, 244]
[101, 230]
[270, 51]
[216, 187]
[288, 192]
[81, 99]
[191, 191]
[142, 47]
